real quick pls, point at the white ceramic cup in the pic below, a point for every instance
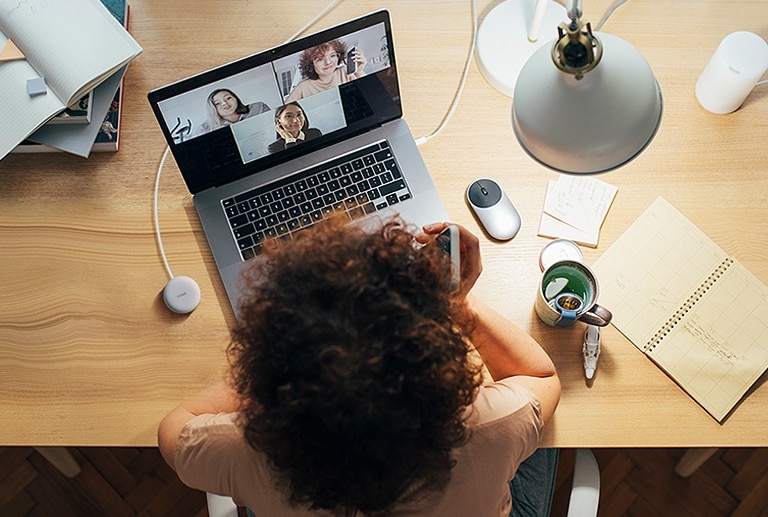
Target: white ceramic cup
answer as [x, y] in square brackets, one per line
[732, 72]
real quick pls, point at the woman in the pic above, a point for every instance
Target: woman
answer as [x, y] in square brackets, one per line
[355, 388]
[325, 66]
[292, 127]
[224, 107]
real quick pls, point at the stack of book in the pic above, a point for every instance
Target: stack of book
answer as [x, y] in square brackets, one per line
[62, 65]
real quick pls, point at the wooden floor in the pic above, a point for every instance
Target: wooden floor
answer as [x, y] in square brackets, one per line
[131, 481]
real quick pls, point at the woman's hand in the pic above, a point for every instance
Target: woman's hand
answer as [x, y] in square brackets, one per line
[471, 264]
[284, 133]
[360, 63]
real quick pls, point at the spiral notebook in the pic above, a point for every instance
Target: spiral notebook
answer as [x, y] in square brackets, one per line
[696, 312]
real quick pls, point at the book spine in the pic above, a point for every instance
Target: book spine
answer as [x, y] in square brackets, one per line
[687, 305]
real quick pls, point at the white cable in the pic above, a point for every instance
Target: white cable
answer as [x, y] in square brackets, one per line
[312, 21]
[460, 89]
[157, 219]
[608, 13]
[168, 149]
[761, 83]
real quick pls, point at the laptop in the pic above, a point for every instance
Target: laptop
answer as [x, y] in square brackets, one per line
[253, 177]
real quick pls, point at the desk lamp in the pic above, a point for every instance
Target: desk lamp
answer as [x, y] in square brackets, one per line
[510, 34]
[585, 104]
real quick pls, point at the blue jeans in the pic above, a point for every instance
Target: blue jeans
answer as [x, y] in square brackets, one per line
[534, 484]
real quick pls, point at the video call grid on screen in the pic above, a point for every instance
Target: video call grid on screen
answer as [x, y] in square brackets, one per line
[228, 150]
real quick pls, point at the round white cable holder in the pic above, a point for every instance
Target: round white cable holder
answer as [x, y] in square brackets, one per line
[510, 34]
[181, 294]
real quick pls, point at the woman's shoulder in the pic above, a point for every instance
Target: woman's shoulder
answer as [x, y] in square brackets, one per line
[277, 145]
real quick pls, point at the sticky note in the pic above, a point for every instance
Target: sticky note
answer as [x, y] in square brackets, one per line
[575, 208]
[36, 86]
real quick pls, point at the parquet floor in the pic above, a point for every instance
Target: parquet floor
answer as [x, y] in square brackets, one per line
[131, 481]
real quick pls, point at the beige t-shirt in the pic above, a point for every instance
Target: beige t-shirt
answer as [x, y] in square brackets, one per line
[505, 422]
[310, 87]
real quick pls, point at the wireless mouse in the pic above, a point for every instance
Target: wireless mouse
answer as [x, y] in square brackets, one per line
[493, 209]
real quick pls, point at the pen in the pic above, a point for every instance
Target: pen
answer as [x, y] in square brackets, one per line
[591, 350]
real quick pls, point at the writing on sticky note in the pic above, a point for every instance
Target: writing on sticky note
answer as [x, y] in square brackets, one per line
[575, 208]
[36, 86]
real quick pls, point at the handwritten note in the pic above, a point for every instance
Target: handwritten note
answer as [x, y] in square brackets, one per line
[699, 314]
[575, 208]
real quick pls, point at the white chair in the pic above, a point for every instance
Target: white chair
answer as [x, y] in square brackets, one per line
[585, 490]
[220, 506]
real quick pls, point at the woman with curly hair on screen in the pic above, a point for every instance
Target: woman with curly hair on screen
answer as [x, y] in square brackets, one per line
[356, 387]
[324, 66]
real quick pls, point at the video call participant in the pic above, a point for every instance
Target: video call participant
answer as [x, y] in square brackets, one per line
[224, 107]
[292, 127]
[324, 66]
[355, 387]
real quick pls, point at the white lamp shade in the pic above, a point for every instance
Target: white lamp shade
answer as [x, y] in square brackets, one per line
[590, 125]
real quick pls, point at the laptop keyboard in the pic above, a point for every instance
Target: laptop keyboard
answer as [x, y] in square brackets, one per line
[357, 183]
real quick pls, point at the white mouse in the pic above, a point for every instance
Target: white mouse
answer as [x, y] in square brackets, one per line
[493, 208]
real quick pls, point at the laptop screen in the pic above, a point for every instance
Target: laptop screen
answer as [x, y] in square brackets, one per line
[251, 114]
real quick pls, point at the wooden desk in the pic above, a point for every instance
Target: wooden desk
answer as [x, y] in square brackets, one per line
[90, 356]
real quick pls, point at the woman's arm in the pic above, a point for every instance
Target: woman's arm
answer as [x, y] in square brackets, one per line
[219, 398]
[508, 351]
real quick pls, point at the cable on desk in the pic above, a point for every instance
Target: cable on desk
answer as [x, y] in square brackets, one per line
[312, 21]
[608, 13]
[168, 149]
[460, 89]
[157, 219]
[419, 141]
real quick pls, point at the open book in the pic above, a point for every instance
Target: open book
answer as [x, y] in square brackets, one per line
[699, 314]
[74, 45]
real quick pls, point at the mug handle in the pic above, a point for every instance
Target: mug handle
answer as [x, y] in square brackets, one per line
[597, 315]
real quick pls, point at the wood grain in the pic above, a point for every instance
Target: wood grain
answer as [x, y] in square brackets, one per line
[90, 356]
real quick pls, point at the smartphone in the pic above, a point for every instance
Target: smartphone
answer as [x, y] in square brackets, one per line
[448, 240]
[351, 64]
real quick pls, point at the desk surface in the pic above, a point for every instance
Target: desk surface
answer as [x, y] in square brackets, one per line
[90, 356]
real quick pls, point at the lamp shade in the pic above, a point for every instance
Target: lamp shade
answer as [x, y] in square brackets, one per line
[588, 125]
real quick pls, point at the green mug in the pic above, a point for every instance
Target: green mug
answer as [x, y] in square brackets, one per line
[568, 292]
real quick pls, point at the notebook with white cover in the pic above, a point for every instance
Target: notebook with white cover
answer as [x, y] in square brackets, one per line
[361, 107]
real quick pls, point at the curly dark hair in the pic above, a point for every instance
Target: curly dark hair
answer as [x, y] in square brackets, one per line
[353, 356]
[308, 56]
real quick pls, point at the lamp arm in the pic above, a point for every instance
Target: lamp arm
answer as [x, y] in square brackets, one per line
[538, 18]
[574, 9]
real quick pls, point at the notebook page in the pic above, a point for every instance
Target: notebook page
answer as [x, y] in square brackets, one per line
[652, 269]
[719, 347]
[27, 113]
[73, 44]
